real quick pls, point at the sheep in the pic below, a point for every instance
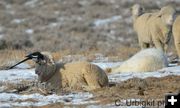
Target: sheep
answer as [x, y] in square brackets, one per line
[147, 60]
[140, 25]
[77, 75]
[160, 27]
[153, 29]
[176, 34]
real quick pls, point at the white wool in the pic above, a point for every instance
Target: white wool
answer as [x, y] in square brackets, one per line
[146, 60]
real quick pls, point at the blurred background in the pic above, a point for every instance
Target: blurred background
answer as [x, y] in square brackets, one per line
[72, 26]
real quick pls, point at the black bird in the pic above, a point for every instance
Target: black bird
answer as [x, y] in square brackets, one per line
[35, 55]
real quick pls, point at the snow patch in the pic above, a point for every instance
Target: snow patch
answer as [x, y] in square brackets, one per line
[100, 58]
[11, 99]
[23, 66]
[17, 21]
[100, 22]
[29, 31]
[1, 36]
[31, 3]
[108, 64]
[118, 77]
[14, 75]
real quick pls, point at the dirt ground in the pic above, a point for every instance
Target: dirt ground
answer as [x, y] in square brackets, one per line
[135, 88]
[147, 89]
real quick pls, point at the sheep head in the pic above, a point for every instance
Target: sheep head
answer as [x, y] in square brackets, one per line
[137, 10]
[168, 14]
[45, 66]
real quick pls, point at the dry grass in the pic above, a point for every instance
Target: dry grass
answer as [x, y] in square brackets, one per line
[54, 26]
[10, 57]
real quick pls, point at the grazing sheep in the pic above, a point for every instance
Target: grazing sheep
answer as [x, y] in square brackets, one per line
[146, 60]
[176, 34]
[153, 29]
[76, 75]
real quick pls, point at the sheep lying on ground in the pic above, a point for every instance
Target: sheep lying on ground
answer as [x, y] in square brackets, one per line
[176, 34]
[77, 75]
[146, 60]
[153, 29]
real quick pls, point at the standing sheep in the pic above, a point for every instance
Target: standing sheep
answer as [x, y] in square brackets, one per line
[160, 27]
[146, 60]
[153, 29]
[140, 20]
[176, 34]
[77, 75]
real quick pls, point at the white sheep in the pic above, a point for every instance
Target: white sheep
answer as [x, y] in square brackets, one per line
[146, 60]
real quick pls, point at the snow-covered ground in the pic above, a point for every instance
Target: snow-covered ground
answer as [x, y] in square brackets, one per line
[15, 75]
[11, 99]
[100, 22]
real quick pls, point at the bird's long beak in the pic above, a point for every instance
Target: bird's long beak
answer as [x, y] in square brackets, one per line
[34, 56]
[19, 63]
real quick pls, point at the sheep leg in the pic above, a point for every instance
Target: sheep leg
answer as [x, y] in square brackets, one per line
[151, 45]
[167, 40]
[147, 45]
[144, 45]
[177, 45]
[165, 48]
[158, 45]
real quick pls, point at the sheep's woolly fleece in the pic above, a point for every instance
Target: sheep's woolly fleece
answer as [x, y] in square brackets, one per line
[176, 34]
[146, 60]
[153, 28]
[77, 75]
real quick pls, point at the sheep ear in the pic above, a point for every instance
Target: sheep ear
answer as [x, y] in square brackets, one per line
[159, 14]
[50, 60]
[48, 57]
